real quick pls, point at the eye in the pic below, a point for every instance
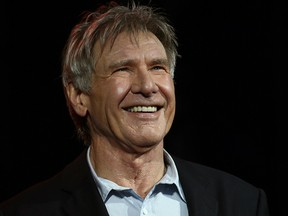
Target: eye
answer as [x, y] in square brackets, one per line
[159, 69]
[121, 69]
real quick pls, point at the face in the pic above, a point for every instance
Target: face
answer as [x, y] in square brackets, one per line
[132, 101]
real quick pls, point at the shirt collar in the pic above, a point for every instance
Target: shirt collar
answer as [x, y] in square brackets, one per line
[170, 177]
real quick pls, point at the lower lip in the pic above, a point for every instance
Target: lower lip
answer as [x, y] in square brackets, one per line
[146, 115]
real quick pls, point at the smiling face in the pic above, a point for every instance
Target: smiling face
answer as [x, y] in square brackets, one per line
[132, 101]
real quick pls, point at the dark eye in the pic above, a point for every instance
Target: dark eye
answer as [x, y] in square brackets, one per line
[158, 68]
[121, 69]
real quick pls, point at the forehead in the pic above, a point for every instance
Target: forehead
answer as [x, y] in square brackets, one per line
[129, 40]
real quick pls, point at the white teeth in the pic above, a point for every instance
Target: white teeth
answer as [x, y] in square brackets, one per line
[143, 109]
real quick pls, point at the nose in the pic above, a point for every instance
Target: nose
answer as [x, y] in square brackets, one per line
[144, 83]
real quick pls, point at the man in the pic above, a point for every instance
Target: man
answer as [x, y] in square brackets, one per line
[118, 69]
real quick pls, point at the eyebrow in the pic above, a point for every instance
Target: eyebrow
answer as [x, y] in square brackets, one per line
[161, 61]
[120, 63]
[158, 61]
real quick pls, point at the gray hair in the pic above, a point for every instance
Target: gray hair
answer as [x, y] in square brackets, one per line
[106, 23]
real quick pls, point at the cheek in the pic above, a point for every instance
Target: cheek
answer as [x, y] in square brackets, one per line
[119, 88]
[167, 87]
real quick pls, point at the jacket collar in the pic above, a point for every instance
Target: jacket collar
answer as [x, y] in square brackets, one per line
[199, 200]
[78, 184]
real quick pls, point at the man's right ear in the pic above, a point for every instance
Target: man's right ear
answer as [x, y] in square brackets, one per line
[77, 99]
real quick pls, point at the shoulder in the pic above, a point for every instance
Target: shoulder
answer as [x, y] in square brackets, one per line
[220, 190]
[217, 182]
[207, 174]
[43, 195]
[50, 193]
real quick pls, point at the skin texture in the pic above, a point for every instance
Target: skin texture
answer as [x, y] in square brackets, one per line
[127, 147]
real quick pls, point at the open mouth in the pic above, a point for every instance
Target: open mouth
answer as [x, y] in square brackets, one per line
[146, 109]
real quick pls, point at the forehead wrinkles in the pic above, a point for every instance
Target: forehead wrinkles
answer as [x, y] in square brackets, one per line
[132, 34]
[134, 38]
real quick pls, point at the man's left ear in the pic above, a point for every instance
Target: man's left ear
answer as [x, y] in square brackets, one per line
[77, 99]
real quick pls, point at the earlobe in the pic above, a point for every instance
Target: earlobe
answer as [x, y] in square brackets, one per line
[76, 99]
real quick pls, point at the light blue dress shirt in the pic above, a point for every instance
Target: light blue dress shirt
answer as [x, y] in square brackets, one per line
[165, 198]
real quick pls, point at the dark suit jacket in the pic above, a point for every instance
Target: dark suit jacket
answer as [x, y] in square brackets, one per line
[72, 192]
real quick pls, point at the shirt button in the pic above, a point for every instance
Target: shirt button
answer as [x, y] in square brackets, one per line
[144, 212]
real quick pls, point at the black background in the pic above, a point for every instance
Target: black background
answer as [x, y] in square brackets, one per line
[231, 85]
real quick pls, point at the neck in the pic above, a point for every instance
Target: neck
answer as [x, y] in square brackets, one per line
[139, 172]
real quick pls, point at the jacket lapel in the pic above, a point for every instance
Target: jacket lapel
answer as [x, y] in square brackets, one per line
[79, 186]
[199, 200]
